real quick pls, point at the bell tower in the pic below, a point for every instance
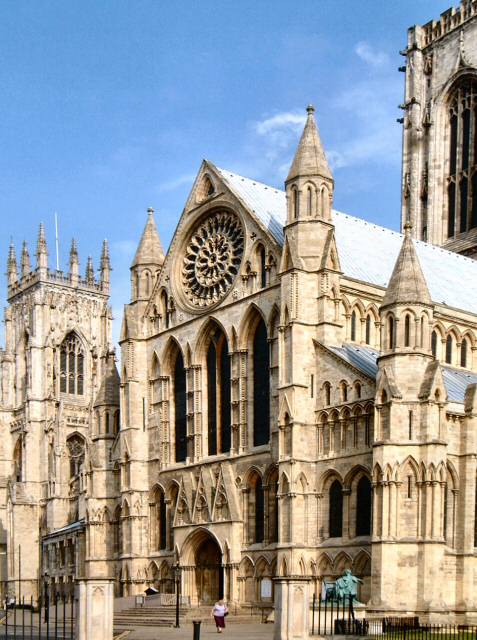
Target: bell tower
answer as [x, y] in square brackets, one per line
[55, 362]
[439, 171]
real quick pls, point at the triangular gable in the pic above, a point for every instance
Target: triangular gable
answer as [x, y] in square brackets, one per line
[182, 513]
[201, 509]
[386, 382]
[330, 259]
[433, 381]
[220, 506]
[289, 259]
[285, 408]
[223, 190]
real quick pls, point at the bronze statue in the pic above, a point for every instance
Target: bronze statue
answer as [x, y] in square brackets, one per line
[347, 586]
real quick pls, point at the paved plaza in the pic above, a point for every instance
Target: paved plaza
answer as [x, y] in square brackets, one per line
[251, 631]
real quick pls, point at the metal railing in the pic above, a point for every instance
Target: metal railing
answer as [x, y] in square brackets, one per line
[45, 619]
[337, 616]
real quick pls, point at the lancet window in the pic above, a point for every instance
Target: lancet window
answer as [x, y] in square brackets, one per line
[463, 353]
[336, 510]
[159, 520]
[256, 510]
[179, 378]
[363, 507]
[462, 167]
[449, 349]
[72, 366]
[353, 326]
[218, 394]
[261, 385]
[434, 344]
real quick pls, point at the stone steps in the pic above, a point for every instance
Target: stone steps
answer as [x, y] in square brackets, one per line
[165, 616]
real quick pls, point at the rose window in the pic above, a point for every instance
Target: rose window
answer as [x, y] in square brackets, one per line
[212, 258]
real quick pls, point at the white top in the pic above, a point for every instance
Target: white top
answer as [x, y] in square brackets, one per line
[219, 610]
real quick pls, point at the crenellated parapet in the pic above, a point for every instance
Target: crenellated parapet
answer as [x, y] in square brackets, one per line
[450, 20]
[18, 282]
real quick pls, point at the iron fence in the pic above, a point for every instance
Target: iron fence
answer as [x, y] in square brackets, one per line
[43, 619]
[337, 616]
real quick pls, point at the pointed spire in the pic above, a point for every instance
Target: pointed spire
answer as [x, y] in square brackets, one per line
[105, 263]
[108, 393]
[407, 284]
[74, 263]
[25, 260]
[150, 250]
[90, 271]
[12, 272]
[310, 158]
[74, 251]
[105, 266]
[41, 249]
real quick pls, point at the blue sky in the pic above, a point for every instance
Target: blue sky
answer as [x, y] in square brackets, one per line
[108, 107]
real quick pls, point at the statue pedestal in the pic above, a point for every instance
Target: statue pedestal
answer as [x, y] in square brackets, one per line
[95, 609]
[292, 608]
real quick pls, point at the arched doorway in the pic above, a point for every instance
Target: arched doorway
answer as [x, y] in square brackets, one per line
[209, 577]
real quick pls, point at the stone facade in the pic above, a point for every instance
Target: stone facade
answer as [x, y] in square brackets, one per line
[58, 374]
[439, 113]
[298, 393]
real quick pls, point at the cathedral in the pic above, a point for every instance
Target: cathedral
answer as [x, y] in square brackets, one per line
[296, 392]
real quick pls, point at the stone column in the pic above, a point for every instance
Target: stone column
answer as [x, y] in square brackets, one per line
[292, 608]
[95, 609]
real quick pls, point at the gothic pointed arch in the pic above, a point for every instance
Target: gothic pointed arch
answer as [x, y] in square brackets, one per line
[461, 164]
[174, 361]
[255, 338]
[72, 365]
[255, 507]
[213, 350]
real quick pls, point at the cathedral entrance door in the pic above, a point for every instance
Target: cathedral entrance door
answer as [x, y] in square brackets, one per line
[208, 572]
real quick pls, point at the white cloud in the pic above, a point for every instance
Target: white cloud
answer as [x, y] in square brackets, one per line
[175, 183]
[372, 57]
[287, 120]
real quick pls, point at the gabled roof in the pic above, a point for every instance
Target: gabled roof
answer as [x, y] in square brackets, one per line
[364, 358]
[367, 251]
[456, 382]
[268, 203]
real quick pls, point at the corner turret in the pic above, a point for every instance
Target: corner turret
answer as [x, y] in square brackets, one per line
[309, 184]
[105, 267]
[147, 262]
[25, 261]
[74, 263]
[407, 310]
[41, 252]
[12, 271]
[89, 275]
[106, 403]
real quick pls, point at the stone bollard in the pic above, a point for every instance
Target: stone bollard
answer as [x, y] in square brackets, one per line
[196, 624]
[94, 609]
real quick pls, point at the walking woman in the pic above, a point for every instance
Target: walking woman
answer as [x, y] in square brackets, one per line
[219, 612]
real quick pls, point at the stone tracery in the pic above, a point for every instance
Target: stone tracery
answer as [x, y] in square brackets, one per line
[212, 258]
